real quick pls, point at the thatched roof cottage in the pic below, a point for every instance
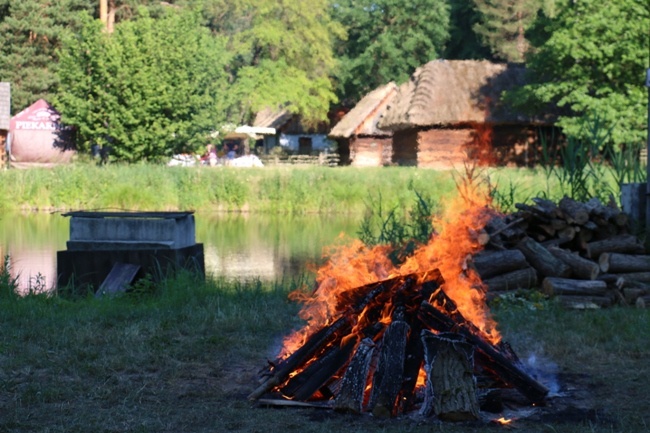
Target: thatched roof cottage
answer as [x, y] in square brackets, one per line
[357, 133]
[451, 110]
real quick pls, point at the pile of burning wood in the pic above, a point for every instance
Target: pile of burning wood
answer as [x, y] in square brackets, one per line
[582, 253]
[400, 346]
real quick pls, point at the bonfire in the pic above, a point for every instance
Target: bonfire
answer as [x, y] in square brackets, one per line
[390, 339]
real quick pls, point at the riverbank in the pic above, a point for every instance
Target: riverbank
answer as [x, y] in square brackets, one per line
[279, 190]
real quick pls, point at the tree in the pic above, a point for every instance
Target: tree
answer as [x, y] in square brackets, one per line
[503, 25]
[593, 65]
[282, 54]
[30, 33]
[387, 40]
[152, 88]
[464, 42]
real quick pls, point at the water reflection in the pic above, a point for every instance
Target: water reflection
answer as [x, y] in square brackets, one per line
[236, 246]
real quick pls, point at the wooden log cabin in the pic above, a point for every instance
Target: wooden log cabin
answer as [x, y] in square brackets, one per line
[450, 111]
[360, 142]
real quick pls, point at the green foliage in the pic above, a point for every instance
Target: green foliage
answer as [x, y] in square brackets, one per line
[503, 23]
[387, 40]
[592, 63]
[8, 282]
[403, 230]
[30, 34]
[282, 54]
[464, 42]
[153, 88]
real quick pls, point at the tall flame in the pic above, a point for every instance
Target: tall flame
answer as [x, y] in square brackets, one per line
[355, 265]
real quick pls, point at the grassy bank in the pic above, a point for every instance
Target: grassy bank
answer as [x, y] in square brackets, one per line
[184, 359]
[284, 190]
[269, 189]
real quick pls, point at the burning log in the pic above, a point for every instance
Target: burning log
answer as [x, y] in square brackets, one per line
[617, 263]
[351, 394]
[308, 381]
[301, 356]
[490, 357]
[450, 390]
[388, 377]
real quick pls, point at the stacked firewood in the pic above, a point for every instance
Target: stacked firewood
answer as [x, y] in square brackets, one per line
[584, 254]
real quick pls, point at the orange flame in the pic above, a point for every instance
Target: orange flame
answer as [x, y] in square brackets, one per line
[353, 266]
[503, 421]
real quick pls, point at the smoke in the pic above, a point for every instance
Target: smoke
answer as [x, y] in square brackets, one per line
[544, 371]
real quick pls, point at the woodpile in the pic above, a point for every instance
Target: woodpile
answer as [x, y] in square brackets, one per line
[583, 254]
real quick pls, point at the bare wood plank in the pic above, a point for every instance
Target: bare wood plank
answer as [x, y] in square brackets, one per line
[118, 279]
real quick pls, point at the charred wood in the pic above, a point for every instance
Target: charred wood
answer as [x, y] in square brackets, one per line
[303, 385]
[351, 393]
[389, 374]
[490, 357]
[301, 356]
[450, 391]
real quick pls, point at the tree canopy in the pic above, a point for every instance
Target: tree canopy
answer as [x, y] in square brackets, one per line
[30, 33]
[387, 40]
[152, 88]
[282, 53]
[593, 64]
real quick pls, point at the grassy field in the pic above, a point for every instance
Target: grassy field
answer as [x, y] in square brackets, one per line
[183, 358]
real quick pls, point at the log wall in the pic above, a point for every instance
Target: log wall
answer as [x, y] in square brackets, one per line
[371, 151]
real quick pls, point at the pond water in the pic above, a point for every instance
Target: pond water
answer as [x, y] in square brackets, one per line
[236, 246]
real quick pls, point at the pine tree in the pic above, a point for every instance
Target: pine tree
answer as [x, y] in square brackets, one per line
[503, 26]
[30, 34]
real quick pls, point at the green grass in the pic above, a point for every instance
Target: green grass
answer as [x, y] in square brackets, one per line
[184, 358]
[283, 190]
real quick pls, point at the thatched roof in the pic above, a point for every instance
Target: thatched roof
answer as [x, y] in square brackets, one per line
[269, 118]
[363, 118]
[453, 92]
